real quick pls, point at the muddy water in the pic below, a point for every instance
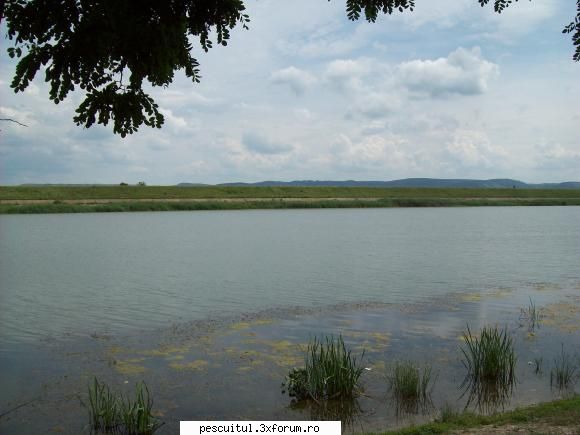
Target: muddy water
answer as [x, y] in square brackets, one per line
[213, 309]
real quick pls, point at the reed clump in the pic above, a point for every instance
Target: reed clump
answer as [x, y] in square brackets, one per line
[490, 357]
[564, 373]
[490, 361]
[411, 386]
[330, 372]
[110, 413]
[410, 382]
[103, 407]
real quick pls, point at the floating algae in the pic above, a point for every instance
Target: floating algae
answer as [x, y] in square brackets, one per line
[239, 325]
[130, 366]
[563, 315]
[470, 297]
[166, 352]
[199, 364]
[545, 286]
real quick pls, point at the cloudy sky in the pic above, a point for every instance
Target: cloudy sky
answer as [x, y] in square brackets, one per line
[448, 91]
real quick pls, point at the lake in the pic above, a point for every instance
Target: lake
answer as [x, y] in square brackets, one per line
[221, 302]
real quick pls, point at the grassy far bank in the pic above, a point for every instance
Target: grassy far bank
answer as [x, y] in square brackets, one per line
[535, 419]
[61, 199]
[141, 206]
[215, 192]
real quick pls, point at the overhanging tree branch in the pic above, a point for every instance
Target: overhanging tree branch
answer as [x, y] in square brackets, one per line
[90, 44]
[13, 120]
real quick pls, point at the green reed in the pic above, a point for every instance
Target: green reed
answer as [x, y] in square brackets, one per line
[103, 407]
[330, 372]
[531, 315]
[136, 415]
[408, 381]
[563, 375]
[538, 366]
[109, 413]
[490, 361]
[491, 357]
[411, 386]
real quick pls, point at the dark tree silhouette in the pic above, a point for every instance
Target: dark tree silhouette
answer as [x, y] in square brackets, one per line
[13, 120]
[111, 48]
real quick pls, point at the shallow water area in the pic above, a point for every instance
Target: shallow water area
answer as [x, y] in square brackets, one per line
[232, 368]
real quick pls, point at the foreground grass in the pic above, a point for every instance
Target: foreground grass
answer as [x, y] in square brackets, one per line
[558, 413]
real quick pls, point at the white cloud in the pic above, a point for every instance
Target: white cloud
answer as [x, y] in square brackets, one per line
[373, 153]
[257, 143]
[472, 148]
[557, 156]
[347, 74]
[298, 80]
[463, 72]
[376, 101]
[376, 106]
[186, 96]
[517, 20]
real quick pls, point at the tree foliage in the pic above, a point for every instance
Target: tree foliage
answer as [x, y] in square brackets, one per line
[110, 49]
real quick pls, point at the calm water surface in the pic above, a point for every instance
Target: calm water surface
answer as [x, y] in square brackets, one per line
[100, 273]
[213, 309]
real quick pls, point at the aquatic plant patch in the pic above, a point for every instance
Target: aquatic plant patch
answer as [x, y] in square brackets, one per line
[330, 372]
[411, 385]
[110, 413]
[564, 373]
[531, 315]
[490, 361]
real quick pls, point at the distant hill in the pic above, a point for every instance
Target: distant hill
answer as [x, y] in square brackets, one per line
[499, 183]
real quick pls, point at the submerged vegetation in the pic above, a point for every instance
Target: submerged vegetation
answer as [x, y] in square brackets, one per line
[531, 315]
[110, 413]
[490, 361]
[330, 372]
[538, 366]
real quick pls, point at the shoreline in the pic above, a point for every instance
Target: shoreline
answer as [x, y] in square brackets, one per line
[46, 206]
[560, 416]
[90, 199]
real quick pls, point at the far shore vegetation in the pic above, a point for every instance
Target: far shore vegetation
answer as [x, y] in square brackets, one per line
[79, 199]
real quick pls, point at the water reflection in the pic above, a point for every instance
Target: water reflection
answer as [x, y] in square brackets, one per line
[408, 407]
[410, 386]
[348, 411]
[488, 396]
